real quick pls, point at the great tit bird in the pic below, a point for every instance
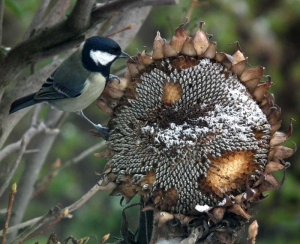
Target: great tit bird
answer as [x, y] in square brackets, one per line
[79, 80]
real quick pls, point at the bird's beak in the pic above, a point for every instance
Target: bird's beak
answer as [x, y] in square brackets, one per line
[124, 55]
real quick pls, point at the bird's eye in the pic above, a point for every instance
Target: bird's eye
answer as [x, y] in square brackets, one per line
[115, 49]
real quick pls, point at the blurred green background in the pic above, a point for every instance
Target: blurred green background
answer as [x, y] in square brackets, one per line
[268, 32]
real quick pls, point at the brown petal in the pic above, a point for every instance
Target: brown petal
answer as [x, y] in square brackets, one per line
[238, 68]
[261, 91]
[238, 57]
[275, 127]
[103, 105]
[273, 167]
[188, 47]
[140, 64]
[275, 115]
[252, 232]
[267, 104]
[169, 51]
[278, 138]
[211, 50]
[158, 47]
[133, 69]
[252, 73]
[240, 198]
[238, 210]
[146, 59]
[251, 84]
[218, 213]
[282, 152]
[200, 41]
[114, 93]
[220, 57]
[269, 183]
[224, 59]
[164, 217]
[179, 39]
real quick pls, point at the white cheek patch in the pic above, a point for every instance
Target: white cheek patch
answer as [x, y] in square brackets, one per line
[102, 58]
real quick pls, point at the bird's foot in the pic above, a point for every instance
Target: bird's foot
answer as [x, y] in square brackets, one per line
[112, 78]
[102, 131]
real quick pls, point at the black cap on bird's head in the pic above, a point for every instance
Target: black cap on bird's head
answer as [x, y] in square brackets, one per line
[99, 53]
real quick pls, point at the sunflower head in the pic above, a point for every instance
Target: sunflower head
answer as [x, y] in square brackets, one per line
[195, 129]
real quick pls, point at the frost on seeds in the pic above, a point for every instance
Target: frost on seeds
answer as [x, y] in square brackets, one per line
[203, 208]
[206, 132]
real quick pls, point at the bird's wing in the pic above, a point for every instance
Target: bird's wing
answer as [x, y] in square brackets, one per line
[67, 81]
[50, 91]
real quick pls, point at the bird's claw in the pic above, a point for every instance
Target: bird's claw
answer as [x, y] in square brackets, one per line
[111, 78]
[102, 131]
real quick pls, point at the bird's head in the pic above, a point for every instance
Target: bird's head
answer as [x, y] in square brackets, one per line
[99, 53]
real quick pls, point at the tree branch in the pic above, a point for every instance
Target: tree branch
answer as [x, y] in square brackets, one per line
[48, 178]
[25, 86]
[32, 170]
[11, 200]
[64, 33]
[22, 225]
[34, 130]
[32, 49]
[44, 45]
[81, 15]
[57, 214]
[20, 145]
[84, 154]
[48, 17]
[37, 19]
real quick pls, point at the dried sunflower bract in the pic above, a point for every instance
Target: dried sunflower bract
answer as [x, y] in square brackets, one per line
[196, 130]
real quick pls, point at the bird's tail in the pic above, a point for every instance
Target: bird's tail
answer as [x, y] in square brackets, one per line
[22, 102]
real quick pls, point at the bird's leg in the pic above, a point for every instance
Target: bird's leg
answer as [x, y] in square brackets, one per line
[103, 131]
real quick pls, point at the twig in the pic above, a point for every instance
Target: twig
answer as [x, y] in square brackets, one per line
[29, 151]
[133, 17]
[2, 6]
[84, 154]
[119, 31]
[57, 169]
[36, 113]
[58, 214]
[21, 146]
[191, 10]
[11, 200]
[22, 225]
[32, 170]
[40, 221]
[158, 2]
[26, 138]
